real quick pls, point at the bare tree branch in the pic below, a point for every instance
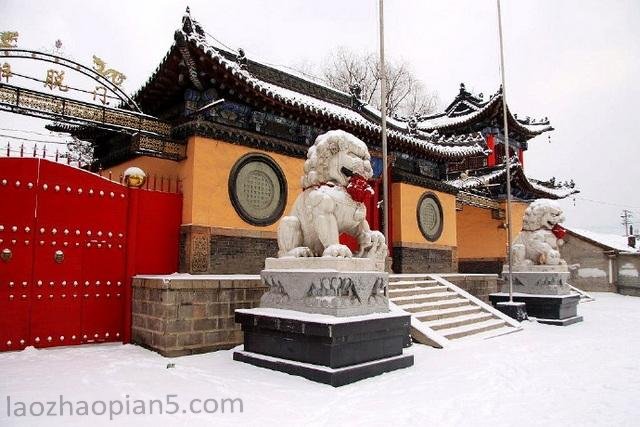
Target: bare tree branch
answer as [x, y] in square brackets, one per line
[406, 95]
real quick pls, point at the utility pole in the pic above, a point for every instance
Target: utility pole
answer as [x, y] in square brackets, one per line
[507, 159]
[626, 220]
[383, 125]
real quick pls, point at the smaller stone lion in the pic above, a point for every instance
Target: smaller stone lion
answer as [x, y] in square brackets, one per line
[335, 173]
[541, 236]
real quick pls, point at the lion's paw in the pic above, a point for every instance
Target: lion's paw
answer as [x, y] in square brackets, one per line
[337, 251]
[299, 252]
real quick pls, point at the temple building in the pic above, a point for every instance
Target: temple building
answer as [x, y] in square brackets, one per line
[240, 134]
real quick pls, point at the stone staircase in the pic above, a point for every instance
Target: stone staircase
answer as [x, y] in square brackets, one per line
[442, 312]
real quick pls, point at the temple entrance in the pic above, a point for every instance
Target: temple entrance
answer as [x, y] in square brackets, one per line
[70, 241]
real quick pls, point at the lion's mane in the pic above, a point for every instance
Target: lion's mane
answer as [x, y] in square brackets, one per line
[316, 167]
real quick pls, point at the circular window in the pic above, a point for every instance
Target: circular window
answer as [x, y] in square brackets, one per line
[430, 218]
[258, 189]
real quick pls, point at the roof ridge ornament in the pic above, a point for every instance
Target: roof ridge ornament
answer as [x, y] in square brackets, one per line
[241, 59]
[356, 96]
[190, 25]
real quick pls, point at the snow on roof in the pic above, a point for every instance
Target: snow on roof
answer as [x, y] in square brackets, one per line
[456, 146]
[477, 181]
[453, 116]
[613, 241]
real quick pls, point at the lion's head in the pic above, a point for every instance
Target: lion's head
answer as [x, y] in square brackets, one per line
[542, 213]
[335, 156]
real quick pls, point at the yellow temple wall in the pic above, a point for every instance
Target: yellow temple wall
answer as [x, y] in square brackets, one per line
[406, 232]
[482, 237]
[209, 198]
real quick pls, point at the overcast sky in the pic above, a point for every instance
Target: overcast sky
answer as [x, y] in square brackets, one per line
[574, 61]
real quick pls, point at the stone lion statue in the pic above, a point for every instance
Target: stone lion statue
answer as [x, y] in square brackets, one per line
[332, 202]
[541, 236]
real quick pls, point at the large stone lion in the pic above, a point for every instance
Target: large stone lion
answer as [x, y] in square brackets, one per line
[334, 188]
[541, 236]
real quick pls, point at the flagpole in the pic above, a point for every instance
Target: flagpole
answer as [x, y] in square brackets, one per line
[383, 125]
[507, 155]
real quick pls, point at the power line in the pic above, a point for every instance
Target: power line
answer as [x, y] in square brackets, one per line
[35, 140]
[607, 203]
[33, 132]
[308, 75]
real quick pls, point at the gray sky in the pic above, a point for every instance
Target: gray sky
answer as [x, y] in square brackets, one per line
[571, 60]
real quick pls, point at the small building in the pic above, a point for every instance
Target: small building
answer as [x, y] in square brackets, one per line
[605, 262]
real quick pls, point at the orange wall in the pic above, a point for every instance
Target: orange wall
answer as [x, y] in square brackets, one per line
[210, 202]
[404, 202]
[480, 236]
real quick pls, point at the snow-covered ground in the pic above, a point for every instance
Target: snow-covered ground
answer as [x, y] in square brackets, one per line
[584, 374]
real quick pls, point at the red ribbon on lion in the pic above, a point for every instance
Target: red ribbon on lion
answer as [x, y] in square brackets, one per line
[359, 189]
[559, 231]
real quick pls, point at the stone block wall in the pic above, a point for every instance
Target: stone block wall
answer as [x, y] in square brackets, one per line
[424, 260]
[629, 275]
[593, 273]
[181, 316]
[478, 285]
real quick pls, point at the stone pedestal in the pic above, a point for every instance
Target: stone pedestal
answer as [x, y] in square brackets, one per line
[326, 349]
[515, 310]
[560, 310]
[545, 291]
[333, 286]
[325, 319]
[539, 280]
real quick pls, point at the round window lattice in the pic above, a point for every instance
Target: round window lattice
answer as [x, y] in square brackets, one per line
[430, 219]
[258, 189]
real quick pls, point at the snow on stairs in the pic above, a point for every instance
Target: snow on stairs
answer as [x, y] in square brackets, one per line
[584, 297]
[441, 312]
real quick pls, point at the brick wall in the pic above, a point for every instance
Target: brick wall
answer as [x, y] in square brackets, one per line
[478, 285]
[424, 260]
[215, 250]
[176, 317]
[240, 255]
[483, 266]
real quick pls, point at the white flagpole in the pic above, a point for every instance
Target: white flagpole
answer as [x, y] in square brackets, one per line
[383, 124]
[507, 156]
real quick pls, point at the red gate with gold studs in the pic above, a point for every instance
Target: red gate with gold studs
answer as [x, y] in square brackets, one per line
[65, 268]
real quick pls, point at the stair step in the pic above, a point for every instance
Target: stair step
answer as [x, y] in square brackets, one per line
[447, 312]
[435, 305]
[428, 297]
[395, 277]
[405, 292]
[412, 284]
[475, 328]
[454, 322]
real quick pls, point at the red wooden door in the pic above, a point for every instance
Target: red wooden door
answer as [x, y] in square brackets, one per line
[18, 181]
[65, 281]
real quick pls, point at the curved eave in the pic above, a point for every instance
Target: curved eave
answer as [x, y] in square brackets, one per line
[492, 109]
[517, 176]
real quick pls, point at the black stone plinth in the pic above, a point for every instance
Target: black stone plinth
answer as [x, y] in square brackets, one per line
[322, 348]
[560, 310]
[322, 374]
[515, 310]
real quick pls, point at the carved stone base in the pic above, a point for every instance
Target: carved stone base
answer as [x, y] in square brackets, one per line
[561, 310]
[333, 286]
[539, 280]
[325, 349]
